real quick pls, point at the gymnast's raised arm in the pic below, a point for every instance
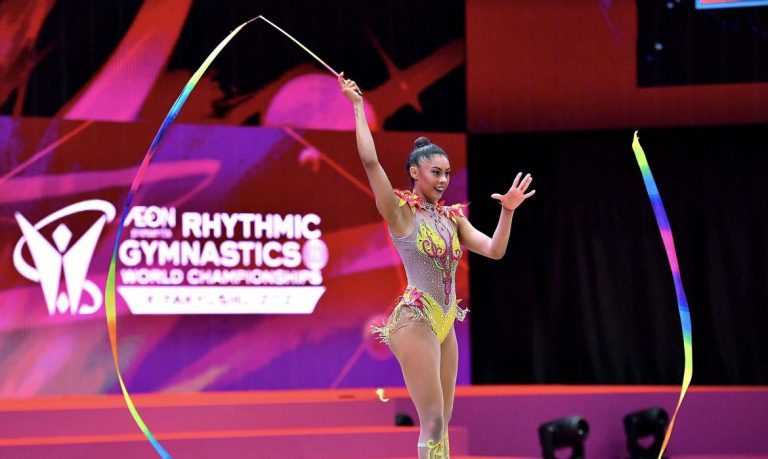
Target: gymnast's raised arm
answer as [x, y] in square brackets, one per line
[386, 201]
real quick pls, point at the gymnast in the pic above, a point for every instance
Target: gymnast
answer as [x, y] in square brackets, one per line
[429, 237]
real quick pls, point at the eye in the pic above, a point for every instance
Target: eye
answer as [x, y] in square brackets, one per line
[436, 173]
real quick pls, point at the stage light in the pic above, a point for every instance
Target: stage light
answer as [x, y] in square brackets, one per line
[570, 432]
[641, 425]
[402, 419]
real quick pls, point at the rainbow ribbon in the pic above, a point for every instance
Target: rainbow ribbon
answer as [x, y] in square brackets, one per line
[682, 303]
[110, 303]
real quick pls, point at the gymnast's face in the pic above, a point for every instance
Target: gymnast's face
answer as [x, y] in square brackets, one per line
[431, 177]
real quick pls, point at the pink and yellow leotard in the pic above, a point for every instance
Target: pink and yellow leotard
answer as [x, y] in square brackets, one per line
[430, 254]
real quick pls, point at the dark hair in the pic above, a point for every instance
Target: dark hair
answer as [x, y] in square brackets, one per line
[422, 149]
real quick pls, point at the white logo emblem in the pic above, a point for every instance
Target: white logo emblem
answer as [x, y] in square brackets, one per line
[72, 260]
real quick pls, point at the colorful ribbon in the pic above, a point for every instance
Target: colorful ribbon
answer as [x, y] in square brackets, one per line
[110, 303]
[682, 303]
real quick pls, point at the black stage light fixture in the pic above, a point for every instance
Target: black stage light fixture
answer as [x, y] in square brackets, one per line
[640, 426]
[569, 432]
[402, 419]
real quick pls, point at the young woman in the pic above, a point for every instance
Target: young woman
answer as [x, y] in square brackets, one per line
[428, 237]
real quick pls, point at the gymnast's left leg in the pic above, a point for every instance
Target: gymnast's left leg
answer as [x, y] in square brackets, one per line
[449, 365]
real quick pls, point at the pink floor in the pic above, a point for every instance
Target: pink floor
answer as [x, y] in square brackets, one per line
[489, 422]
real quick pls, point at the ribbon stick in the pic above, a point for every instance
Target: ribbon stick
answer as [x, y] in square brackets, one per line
[682, 303]
[110, 303]
[299, 43]
[317, 58]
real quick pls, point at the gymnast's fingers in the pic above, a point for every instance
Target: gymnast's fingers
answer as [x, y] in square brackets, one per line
[516, 181]
[526, 182]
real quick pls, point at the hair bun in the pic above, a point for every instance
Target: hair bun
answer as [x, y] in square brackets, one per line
[421, 142]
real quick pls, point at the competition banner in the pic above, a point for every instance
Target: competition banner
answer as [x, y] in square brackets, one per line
[251, 258]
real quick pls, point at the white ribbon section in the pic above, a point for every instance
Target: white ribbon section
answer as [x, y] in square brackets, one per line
[220, 300]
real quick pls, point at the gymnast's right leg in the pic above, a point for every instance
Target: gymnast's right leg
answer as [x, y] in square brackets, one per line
[416, 348]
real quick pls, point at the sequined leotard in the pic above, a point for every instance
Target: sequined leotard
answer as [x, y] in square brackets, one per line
[430, 254]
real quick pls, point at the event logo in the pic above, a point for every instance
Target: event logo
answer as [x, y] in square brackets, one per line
[51, 260]
[221, 263]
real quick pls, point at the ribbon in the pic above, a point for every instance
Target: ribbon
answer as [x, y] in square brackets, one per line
[682, 303]
[110, 303]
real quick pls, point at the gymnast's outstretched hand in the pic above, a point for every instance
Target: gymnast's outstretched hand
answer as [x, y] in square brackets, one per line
[516, 194]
